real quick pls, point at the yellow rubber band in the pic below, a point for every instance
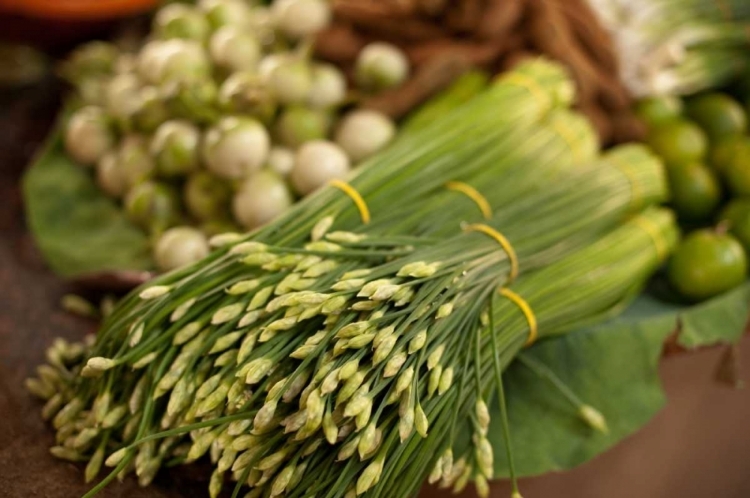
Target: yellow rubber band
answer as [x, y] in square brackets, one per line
[364, 212]
[568, 137]
[474, 195]
[653, 231]
[636, 194]
[527, 311]
[530, 84]
[504, 243]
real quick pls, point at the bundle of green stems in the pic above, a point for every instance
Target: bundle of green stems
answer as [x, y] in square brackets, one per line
[279, 357]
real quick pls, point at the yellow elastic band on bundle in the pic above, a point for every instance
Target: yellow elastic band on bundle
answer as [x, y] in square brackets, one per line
[567, 136]
[364, 212]
[527, 312]
[653, 231]
[530, 84]
[472, 194]
[504, 243]
[635, 186]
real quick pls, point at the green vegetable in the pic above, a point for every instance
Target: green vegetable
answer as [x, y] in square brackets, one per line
[235, 147]
[291, 80]
[299, 19]
[232, 49]
[317, 163]
[207, 196]
[696, 191]
[328, 88]
[151, 111]
[281, 160]
[247, 93]
[88, 61]
[195, 99]
[298, 124]
[88, 135]
[658, 110]
[718, 114]
[174, 147]
[163, 60]
[737, 215]
[180, 246]
[189, 333]
[678, 142]
[380, 66]
[180, 21]
[737, 171]
[260, 198]
[134, 160]
[362, 133]
[463, 89]
[227, 12]
[152, 206]
[706, 264]
[110, 176]
[726, 149]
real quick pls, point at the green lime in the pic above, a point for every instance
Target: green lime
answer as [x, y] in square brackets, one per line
[655, 111]
[725, 149]
[696, 192]
[737, 215]
[719, 115]
[678, 142]
[737, 172]
[707, 263]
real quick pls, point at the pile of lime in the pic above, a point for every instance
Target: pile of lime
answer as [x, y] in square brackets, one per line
[705, 146]
[222, 118]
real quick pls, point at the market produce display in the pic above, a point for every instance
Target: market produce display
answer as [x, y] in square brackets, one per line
[390, 235]
[704, 144]
[492, 34]
[222, 118]
[281, 356]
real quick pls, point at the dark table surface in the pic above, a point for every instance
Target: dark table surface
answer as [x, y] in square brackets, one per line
[698, 447]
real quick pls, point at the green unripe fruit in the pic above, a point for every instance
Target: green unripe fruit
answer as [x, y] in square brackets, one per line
[207, 197]
[152, 206]
[706, 264]
[88, 135]
[175, 148]
[678, 142]
[181, 21]
[719, 115]
[180, 246]
[724, 150]
[737, 217]
[247, 93]
[737, 172]
[381, 66]
[696, 192]
[655, 111]
[135, 160]
[299, 124]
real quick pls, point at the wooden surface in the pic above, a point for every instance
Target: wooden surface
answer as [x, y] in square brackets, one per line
[698, 447]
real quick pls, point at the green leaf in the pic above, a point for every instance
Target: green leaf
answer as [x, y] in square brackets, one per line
[77, 228]
[719, 320]
[612, 367]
